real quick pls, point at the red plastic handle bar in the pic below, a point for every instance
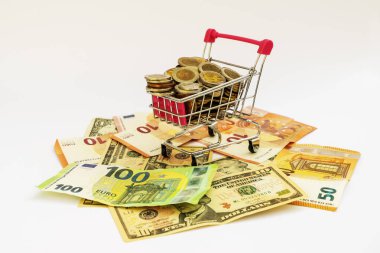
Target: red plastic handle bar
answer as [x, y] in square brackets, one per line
[265, 46]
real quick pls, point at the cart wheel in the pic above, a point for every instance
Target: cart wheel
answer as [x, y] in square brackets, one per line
[194, 161]
[211, 132]
[253, 147]
[165, 151]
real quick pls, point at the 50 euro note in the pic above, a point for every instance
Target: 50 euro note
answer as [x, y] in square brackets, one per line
[119, 186]
[232, 196]
[322, 172]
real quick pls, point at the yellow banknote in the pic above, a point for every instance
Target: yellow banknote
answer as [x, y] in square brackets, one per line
[322, 172]
[231, 197]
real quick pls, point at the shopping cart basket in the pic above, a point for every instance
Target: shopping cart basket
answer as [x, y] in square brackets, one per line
[207, 107]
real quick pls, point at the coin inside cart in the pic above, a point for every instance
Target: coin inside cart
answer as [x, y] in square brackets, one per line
[185, 75]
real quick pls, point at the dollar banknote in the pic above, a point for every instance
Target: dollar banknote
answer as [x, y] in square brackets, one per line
[231, 197]
[119, 186]
[144, 134]
[81, 149]
[322, 172]
[100, 126]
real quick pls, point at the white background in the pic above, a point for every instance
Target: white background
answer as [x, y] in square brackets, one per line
[64, 62]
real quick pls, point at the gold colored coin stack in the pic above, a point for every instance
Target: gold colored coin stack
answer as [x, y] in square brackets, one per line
[191, 76]
[160, 85]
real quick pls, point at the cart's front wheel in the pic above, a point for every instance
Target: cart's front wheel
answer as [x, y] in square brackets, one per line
[194, 161]
[165, 152]
[211, 132]
[253, 147]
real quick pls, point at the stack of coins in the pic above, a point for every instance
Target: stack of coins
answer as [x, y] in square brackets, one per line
[159, 85]
[191, 76]
[187, 89]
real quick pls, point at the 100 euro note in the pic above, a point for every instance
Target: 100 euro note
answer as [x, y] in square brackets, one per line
[116, 153]
[322, 172]
[251, 189]
[119, 186]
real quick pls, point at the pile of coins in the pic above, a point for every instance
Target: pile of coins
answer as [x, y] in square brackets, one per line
[160, 85]
[194, 75]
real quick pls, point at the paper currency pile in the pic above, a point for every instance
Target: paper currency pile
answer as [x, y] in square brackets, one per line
[118, 164]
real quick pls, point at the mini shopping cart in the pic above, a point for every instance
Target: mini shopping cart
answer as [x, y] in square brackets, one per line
[207, 107]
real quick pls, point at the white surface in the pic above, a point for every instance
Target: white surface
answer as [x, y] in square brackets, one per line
[65, 62]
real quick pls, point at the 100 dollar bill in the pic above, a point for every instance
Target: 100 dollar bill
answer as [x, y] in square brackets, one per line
[323, 172]
[231, 197]
[118, 186]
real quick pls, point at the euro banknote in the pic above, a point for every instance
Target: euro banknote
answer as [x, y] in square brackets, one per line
[276, 132]
[117, 154]
[119, 186]
[81, 149]
[144, 134]
[322, 172]
[233, 196]
[278, 125]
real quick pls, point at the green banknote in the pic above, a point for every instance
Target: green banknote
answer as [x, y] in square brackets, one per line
[124, 187]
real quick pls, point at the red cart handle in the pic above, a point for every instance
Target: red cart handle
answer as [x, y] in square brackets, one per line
[265, 46]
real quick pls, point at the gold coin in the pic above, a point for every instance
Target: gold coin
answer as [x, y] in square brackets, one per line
[211, 78]
[158, 90]
[230, 74]
[160, 81]
[162, 94]
[158, 78]
[208, 66]
[193, 87]
[185, 75]
[169, 72]
[190, 61]
[161, 85]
